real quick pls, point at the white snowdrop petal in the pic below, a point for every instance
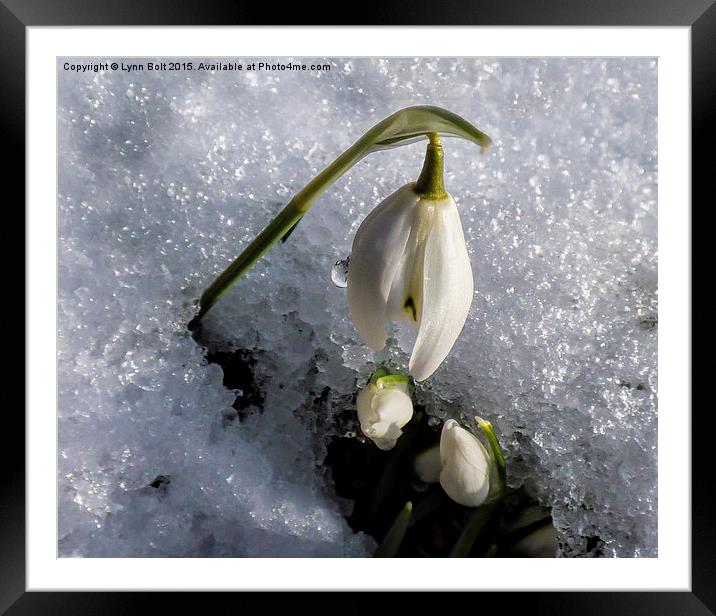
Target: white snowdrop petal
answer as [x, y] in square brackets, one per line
[375, 258]
[447, 291]
[388, 442]
[364, 405]
[395, 406]
[407, 284]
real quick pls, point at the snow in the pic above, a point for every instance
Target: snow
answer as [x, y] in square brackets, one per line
[165, 175]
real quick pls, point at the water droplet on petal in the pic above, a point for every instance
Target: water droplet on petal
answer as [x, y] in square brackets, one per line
[339, 273]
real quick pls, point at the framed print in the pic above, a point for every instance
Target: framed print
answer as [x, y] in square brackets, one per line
[305, 300]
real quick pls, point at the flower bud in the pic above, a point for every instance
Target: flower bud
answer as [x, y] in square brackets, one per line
[384, 407]
[466, 464]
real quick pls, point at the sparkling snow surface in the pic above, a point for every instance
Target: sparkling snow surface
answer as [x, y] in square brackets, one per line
[165, 176]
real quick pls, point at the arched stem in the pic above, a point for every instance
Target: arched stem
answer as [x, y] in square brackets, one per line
[405, 126]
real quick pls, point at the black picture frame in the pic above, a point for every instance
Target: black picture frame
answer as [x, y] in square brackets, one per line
[700, 15]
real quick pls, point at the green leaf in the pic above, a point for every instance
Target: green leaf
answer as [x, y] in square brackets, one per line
[475, 525]
[429, 505]
[497, 455]
[390, 545]
[392, 482]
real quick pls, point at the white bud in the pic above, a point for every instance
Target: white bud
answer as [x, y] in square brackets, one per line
[465, 474]
[384, 407]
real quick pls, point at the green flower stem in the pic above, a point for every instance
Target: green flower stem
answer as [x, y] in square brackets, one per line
[405, 126]
[282, 224]
[430, 184]
[475, 525]
[390, 545]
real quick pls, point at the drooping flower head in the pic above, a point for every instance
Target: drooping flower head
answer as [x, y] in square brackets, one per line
[409, 262]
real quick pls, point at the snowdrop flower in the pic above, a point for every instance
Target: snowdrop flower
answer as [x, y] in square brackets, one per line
[384, 407]
[469, 473]
[465, 465]
[409, 262]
